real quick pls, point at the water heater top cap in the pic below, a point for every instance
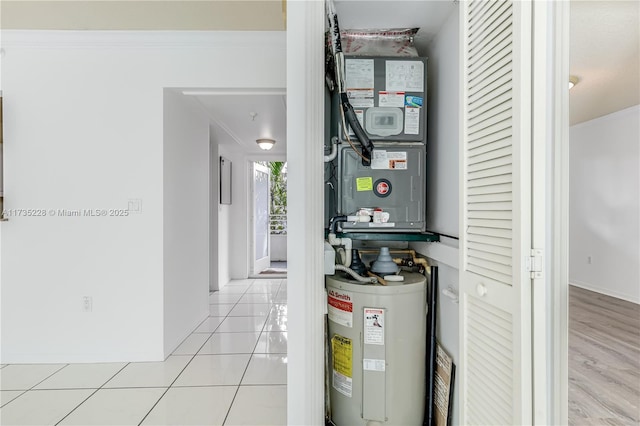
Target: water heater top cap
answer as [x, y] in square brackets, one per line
[384, 264]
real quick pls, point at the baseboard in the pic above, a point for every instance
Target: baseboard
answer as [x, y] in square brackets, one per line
[606, 292]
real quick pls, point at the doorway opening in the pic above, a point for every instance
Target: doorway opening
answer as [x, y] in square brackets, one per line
[269, 212]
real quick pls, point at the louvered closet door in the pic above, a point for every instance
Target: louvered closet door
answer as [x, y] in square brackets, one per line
[495, 335]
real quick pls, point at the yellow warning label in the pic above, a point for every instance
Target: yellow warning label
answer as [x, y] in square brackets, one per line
[364, 184]
[342, 354]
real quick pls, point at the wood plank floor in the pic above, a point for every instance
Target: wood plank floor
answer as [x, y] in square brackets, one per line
[604, 359]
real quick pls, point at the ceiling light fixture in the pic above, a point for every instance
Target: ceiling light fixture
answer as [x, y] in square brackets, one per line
[573, 80]
[265, 143]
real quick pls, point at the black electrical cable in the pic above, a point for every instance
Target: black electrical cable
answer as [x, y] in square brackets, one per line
[431, 349]
[347, 109]
[442, 235]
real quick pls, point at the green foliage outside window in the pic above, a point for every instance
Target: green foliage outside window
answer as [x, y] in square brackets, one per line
[278, 222]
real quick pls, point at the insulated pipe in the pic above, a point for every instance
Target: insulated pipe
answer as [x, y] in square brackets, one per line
[334, 150]
[354, 275]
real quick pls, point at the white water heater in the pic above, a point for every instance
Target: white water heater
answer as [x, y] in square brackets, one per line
[377, 337]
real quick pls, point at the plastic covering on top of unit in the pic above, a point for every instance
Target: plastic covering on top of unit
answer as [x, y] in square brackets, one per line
[379, 42]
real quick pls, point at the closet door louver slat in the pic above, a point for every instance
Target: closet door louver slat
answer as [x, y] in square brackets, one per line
[495, 342]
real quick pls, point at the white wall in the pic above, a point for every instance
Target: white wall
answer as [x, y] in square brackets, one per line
[214, 203]
[84, 130]
[224, 241]
[186, 215]
[442, 182]
[278, 247]
[443, 83]
[604, 206]
[233, 220]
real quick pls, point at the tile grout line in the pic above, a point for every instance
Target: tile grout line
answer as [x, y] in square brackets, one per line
[271, 302]
[92, 393]
[23, 391]
[188, 363]
[246, 368]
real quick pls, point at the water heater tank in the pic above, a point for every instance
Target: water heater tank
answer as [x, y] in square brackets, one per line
[377, 362]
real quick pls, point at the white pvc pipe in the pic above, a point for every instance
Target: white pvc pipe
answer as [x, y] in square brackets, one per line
[346, 242]
[334, 150]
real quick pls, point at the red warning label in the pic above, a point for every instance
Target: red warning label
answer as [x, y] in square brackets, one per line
[339, 304]
[340, 307]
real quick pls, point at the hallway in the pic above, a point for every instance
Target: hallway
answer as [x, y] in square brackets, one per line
[232, 370]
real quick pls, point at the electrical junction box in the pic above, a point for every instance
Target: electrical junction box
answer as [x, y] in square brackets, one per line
[395, 182]
[388, 95]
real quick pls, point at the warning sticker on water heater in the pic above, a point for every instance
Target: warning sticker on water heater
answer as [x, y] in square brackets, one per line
[341, 307]
[373, 326]
[342, 350]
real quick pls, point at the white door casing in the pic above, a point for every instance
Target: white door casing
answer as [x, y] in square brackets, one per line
[495, 214]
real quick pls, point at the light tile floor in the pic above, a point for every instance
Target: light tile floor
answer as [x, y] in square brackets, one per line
[232, 370]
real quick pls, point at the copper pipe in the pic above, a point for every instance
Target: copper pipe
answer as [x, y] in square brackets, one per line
[380, 279]
[407, 251]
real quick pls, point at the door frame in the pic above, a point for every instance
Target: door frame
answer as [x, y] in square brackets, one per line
[305, 122]
[255, 265]
[558, 336]
[550, 228]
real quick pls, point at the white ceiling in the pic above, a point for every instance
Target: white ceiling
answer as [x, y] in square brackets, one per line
[605, 52]
[234, 122]
[605, 56]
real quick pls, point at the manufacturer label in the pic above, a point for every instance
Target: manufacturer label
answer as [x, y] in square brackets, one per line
[359, 74]
[373, 326]
[342, 349]
[359, 93]
[405, 76]
[388, 160]
[340, 307]
[411, 120]
[361, 103]
[373, 364]
[382, 225]
[360, 82]
[391, 99]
